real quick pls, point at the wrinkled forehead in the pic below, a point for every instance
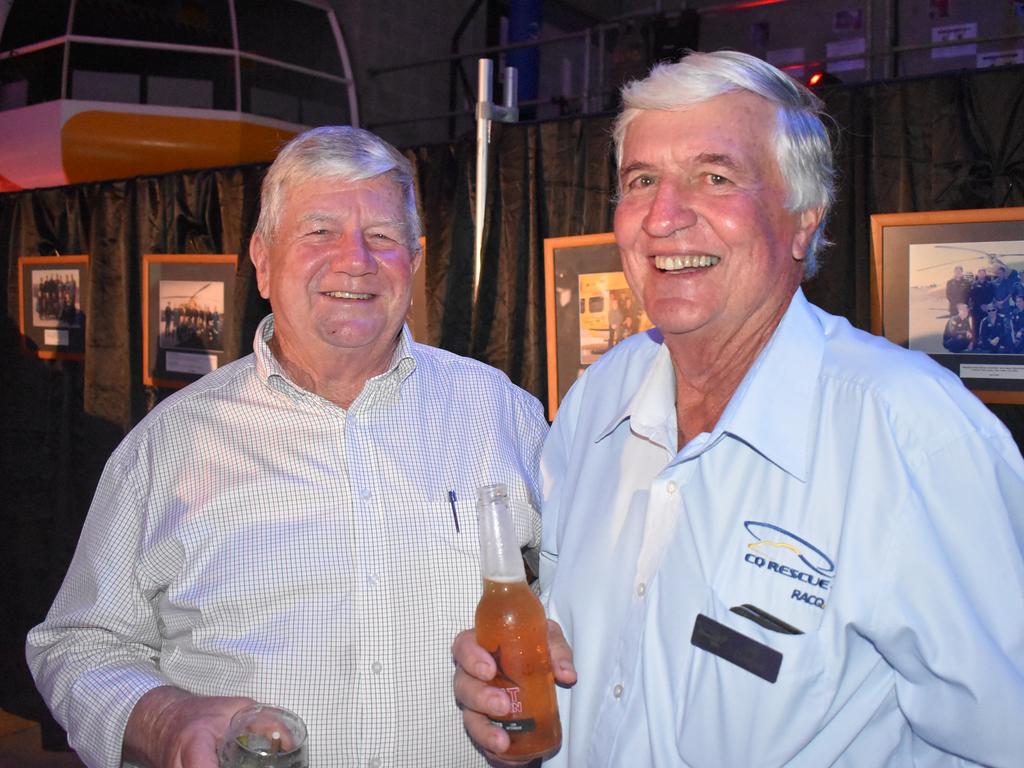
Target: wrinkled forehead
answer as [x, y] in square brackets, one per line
[740, 127]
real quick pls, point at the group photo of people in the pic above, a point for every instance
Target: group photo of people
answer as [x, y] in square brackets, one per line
[963, 298]
[55, 298]
[986, 311]
[191, 315]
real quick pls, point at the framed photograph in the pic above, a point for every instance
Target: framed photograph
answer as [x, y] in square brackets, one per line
[590, 308]
[951, 284]
[187, 315]
[53, 305]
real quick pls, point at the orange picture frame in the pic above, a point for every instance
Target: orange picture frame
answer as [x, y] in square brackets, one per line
[188, 316]
[53, 306]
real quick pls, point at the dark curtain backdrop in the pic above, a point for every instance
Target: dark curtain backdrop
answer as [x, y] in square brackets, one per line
[954, 141]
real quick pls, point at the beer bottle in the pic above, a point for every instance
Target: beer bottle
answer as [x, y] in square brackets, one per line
[510, 623]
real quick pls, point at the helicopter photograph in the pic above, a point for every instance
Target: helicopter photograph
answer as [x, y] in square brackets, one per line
[984, 276]
[191, 312]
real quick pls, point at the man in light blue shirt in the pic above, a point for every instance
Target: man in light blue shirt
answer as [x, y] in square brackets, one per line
[769, 538]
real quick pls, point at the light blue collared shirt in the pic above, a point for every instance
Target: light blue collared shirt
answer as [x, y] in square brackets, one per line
[852, 489]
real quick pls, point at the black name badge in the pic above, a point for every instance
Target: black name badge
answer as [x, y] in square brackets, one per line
[726, 643]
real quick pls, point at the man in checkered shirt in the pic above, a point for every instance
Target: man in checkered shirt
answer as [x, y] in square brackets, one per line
[297, 528]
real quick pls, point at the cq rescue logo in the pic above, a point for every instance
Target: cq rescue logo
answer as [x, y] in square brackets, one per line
[772, 544]
[771, 538]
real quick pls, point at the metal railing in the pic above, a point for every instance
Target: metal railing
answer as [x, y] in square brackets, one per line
[595, 93]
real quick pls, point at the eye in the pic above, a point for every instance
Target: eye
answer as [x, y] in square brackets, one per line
[717, 179]
[640, 181]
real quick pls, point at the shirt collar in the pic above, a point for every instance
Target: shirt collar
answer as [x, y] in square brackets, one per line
[773, 402]
[383, 386]
[651, 410]
[772, 408]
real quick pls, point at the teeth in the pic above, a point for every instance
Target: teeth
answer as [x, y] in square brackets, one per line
[347, 295]
[692, 261]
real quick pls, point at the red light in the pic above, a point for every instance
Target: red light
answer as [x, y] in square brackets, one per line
[814, 79]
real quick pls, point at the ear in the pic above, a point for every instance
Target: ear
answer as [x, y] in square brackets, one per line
[260, 255]
[806, 227]
[416, 256]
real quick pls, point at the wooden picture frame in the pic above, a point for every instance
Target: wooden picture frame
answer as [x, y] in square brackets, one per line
[53, 305]
[589, 307]
[914, 289]
[187, 316]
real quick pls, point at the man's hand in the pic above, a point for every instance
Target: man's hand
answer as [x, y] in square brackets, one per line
[474, 666]
[171, 728]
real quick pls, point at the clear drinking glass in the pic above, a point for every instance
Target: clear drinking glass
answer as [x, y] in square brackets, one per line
[262, 736]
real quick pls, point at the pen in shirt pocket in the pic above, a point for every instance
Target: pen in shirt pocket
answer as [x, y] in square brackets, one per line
[455, 514]
[765, 619]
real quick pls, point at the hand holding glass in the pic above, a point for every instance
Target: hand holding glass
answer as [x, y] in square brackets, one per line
[263, 736]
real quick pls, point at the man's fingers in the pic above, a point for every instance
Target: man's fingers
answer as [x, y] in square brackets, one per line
[561, 655]
[489, 737]
[471, 657]
[476, 696]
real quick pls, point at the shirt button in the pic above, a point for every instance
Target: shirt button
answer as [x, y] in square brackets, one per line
[376, 667]
[364, 493]
[671, 486]
[641, 589]
[374, 762]
[617, 691]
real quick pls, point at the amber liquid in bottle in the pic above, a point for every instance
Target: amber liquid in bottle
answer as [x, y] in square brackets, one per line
[510, 623]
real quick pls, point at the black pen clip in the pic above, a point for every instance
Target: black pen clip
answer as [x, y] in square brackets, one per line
[455, 515]
[765, 619]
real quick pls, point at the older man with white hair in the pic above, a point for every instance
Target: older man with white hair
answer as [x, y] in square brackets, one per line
[297, 528]
[757, 537]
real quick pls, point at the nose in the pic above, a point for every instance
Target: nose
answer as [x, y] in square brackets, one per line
[670, 211]
[352, 256]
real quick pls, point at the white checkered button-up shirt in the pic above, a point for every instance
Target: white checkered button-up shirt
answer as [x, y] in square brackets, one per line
[251, 538]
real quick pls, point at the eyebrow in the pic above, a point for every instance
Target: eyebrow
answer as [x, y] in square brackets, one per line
[715, 158]
[316, 217]
[633, 167]
[703, 158]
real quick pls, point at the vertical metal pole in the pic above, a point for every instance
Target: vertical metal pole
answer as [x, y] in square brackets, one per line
[510, 96]
[483, 137]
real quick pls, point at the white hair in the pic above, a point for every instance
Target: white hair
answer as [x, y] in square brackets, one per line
[338, 152]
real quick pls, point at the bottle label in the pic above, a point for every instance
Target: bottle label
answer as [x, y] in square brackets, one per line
[514, 724]
[517, 726]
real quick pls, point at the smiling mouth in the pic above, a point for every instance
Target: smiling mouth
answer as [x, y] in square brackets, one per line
[692, 261]
[346, 295]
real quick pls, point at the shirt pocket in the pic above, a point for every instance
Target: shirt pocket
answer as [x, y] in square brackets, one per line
[455, 526]
[454, 565]
[749, 709]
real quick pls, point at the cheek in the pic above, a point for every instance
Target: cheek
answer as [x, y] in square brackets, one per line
[302, 265]
[634, 273]
[627, 220]
[399, 271]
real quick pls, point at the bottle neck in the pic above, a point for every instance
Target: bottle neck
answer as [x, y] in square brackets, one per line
[500, 557]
